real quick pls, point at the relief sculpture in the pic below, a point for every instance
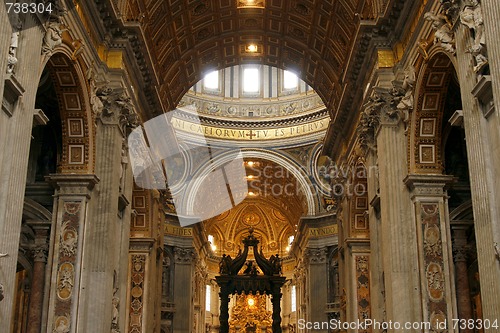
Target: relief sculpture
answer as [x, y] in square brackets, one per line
[432, 240]
[65, 281]
[435, 281]
[69, 240]
[61, 324]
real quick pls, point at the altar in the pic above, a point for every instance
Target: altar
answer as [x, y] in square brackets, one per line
[250, 287]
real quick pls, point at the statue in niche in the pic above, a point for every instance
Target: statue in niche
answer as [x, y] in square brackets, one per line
[472, 17]
[14, 43]
[166, 276]
[115, 328]
[443, 31]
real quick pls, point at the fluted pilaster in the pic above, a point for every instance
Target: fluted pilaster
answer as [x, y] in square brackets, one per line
[15, 137]
[483, 150]
[460, 254]
[402, 290]
[103, 243]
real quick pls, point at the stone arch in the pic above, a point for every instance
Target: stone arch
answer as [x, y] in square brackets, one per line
[78, 134]
[32, 210]
[426, 137]
[295, 170]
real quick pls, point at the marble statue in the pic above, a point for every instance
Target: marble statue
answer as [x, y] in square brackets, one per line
[443, 33]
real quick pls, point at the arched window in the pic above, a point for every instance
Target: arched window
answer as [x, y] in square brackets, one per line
[211, 80]
[251, 81]
[290, 81]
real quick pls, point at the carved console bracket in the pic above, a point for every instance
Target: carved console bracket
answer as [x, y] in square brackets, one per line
[39, 118]
[484, 93]
[12, 91]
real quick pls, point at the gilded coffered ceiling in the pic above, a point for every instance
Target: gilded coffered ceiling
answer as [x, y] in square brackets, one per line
[187, 38]
[273, 208]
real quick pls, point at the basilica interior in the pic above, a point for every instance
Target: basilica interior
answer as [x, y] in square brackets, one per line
[260, 166]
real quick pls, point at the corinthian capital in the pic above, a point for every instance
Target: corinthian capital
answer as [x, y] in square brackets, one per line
[40, 253]
[184, 256]
[316, 256]
[380, 109]
[116, 107]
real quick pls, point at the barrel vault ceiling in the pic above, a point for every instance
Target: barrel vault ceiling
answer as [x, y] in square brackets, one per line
[187, 38]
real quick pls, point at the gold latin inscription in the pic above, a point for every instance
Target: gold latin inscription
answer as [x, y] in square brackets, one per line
[250, 134]
[325, 231]
[178, 231]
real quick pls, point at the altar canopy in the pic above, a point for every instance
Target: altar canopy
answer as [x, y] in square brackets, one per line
[251, 282]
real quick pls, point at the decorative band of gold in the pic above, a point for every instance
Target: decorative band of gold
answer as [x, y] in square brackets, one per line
[250, 134]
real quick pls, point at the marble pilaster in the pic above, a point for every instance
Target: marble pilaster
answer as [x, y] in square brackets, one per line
[15, 137]
[184, 259]
[104, 239]
[138, 291]
[397, 230]
[483, 150]
[316, 272]
[430, 212]
[71, 208]
[460, 253]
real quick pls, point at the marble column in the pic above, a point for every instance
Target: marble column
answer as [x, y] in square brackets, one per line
[40, 253]
[480, 101]
[460, 252]
[72, 196]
